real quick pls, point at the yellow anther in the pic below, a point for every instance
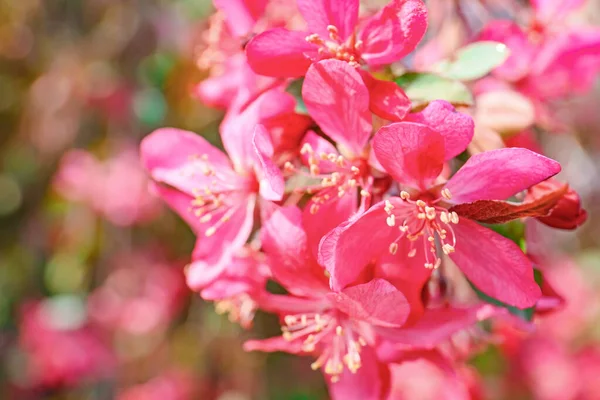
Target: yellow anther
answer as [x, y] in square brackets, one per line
[391, 220]
[446, 194]
[404, 195]
[447, 248]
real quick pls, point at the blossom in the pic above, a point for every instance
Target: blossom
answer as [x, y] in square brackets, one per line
[334, 31]
[214, 194]
[549, 59]
[141, 295]
[414, 155]
[115, 188]
[60, 346]
[336, 325]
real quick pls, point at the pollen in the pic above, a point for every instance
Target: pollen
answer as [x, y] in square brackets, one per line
[424, 224]
[336, 47]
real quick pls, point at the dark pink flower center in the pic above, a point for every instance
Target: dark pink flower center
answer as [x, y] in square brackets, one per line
[346, 175]
[422, 223]
[335, 47]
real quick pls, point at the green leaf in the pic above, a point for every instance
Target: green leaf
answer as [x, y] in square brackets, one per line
[295, 89]
[474, 61]
[422, 88]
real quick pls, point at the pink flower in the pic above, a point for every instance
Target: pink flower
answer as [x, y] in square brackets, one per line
[141, 295]
[215, 196]
[549, 59]
[414, 155]
[334, 31]
[338, 326]
[116, 188]
[337, 98]
[61, 349]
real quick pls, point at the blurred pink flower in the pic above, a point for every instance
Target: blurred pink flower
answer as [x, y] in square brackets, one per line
[61, 349]
[116, 188]
[142, 294]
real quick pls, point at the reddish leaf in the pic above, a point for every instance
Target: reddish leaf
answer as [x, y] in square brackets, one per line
[498, 212]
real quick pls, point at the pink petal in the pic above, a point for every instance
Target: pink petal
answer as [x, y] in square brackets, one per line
[279, 52]
[555, 11]
[522, 52]
[229, 235]
[393, 32]
[285, 243]
[386, 99]
[500, 174]
[377, 302]
[370, 382]
[570, 61]
[338, 101]
[347, 250]
[328, 216]
[437, 326]
[274, 109]
[343, 14]
[456, 128]
[411, 153]
[495, 265]
[181, 203]
[173, 156]
[270, 177]
[224, 288]
[407, 274]
[202, 272]
[241, 15]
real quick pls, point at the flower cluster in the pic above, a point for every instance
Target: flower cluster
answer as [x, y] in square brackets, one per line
[370, 196]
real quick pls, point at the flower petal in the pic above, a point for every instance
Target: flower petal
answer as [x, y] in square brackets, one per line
[456, 128]
[338, 100]
[411, 153]
[285, 243]
[386, 99]
[437, 325]
[370, 382]
[549, 11]
[233, 227]
[181, 203]
[179, 158]
[328, 215]
[241, 15]
[495, 265]
[347, 250]
[280, 52]
[343, 14]
[270, 177]
[499, 174]
[377, 302]
[393, 32]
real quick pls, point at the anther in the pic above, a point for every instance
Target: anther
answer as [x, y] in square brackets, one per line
[391, 220]
[393, 248]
